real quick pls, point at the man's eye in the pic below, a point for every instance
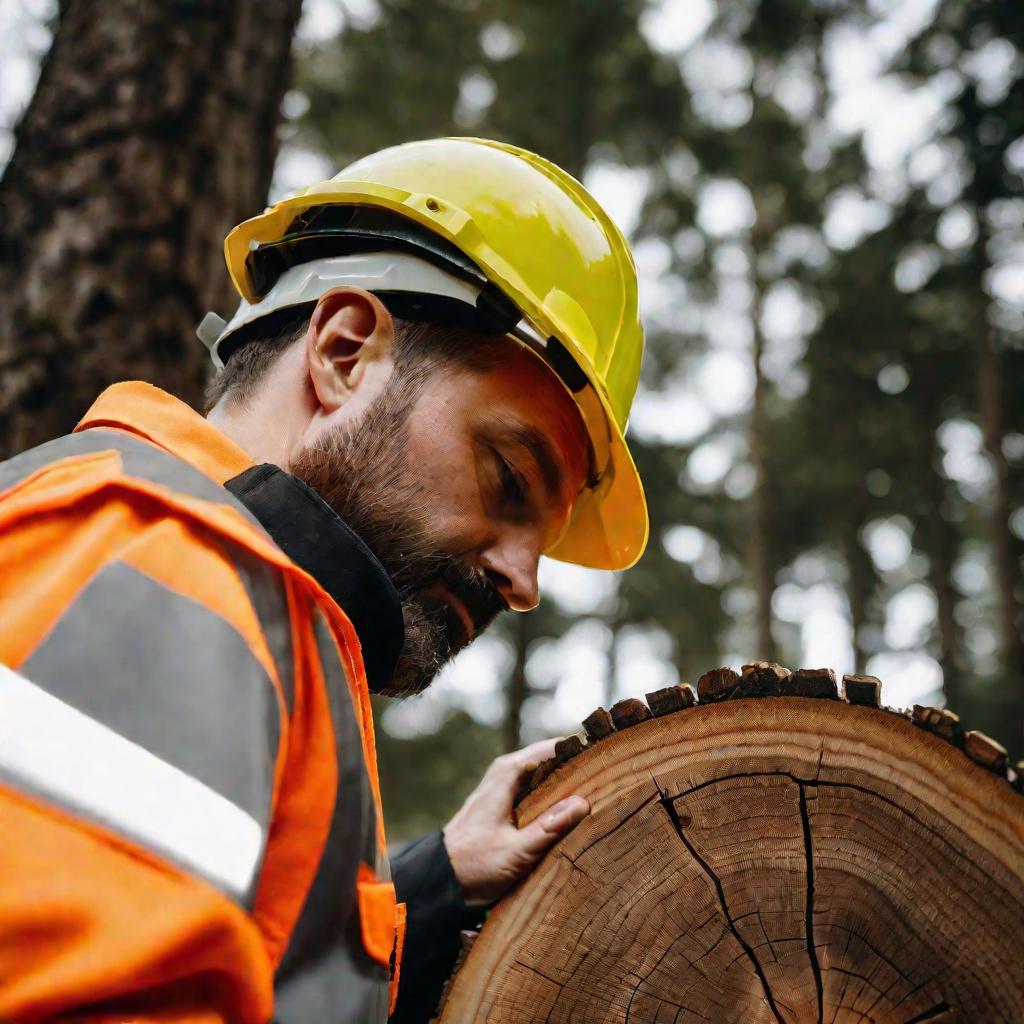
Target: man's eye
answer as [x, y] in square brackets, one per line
[511, 486]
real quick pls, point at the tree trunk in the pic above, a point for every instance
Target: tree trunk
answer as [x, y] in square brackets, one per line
[611, 680]
[991, 412]
[758, 550]
[518, 688]
[151, 133]
[940, 545]
[858, 583]
[771, 860]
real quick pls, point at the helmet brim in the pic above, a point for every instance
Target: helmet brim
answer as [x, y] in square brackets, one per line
[609, 528]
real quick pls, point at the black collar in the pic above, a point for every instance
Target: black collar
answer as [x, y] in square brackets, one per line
[318, 540]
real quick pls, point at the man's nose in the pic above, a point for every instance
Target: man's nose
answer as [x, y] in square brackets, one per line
[511, 565]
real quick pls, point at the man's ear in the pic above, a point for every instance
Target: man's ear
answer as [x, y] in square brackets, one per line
[349, 347]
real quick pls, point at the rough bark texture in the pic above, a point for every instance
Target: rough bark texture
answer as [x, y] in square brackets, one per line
[772, 855]
[151, 133]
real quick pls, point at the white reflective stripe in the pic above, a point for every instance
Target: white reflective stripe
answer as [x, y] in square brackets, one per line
[375, 271]
[50, 749]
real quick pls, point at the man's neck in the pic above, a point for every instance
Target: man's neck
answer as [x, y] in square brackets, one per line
[271, 422]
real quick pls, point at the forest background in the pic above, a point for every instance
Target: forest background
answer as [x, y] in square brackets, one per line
[825, 201]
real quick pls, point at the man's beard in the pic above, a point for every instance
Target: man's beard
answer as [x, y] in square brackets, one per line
[361, 471]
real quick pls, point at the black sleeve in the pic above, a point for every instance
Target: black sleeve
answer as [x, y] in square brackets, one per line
[425, 883]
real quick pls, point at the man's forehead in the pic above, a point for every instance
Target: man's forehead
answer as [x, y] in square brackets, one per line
[537, 412]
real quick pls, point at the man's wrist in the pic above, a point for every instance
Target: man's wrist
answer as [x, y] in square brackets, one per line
[462, 874]
[426, 867]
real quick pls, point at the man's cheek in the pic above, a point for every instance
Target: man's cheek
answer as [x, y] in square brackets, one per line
[453, 512]
[453, 523]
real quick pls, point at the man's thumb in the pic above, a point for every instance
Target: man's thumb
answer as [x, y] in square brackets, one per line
[543, 833]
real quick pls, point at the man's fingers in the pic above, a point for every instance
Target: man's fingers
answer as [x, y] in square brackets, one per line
[499, 786]
[543, 833]
[511, 766]
[535, 753]
[566, 814]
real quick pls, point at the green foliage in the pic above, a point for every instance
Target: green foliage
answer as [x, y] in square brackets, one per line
[851, 432]
[567, 77]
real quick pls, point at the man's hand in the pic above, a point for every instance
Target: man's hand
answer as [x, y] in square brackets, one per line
[488, 853]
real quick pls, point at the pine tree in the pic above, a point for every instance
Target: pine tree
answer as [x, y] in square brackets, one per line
[151, 133]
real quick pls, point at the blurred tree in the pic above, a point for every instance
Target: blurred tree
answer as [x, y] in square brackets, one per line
[964, 44]
[523, 633]
[560, 79]
[985, 131]
[150, 134]
[451, 762]
[760, 151]
[864, 435]
[679, 596]
[136, 155]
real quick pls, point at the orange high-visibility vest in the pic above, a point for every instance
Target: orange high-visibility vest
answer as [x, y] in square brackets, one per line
[190, 824]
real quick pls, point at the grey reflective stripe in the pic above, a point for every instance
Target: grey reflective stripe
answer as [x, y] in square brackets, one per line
[171, 677]
[140, 459]
[326, 973]
[53, 752]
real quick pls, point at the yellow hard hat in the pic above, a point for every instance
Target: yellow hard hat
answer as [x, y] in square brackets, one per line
[544, 246]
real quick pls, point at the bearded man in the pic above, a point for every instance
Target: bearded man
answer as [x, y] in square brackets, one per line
[423, 390]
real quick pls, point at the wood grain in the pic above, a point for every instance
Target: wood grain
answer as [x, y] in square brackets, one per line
[766, 860]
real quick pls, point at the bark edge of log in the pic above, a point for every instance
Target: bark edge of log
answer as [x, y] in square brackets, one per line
[769, 680]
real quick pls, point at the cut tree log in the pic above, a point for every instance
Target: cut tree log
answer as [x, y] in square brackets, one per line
[766, 859]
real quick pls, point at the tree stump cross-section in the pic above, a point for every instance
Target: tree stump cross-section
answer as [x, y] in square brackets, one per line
[766, 860]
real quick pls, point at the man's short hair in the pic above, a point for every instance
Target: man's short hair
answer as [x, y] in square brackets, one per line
[421, 348]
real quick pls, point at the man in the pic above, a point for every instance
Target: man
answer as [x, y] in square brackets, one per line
[423, 390]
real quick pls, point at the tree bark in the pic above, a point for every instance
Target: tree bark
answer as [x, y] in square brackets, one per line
[747, 860]
[151, 133]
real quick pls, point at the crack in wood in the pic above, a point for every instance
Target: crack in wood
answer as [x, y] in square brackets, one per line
[663, 1000]
[540, 974]
[575, 866]
[669, 804]
[666, 802]
[841, 958]
[812, 952]
[604, 835]
[638, 948]
[831, 784]
[920, 986]
[901, 975]
[936, 1011]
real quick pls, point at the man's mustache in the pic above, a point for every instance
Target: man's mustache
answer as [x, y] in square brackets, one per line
[474, 589]
[471, 587]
